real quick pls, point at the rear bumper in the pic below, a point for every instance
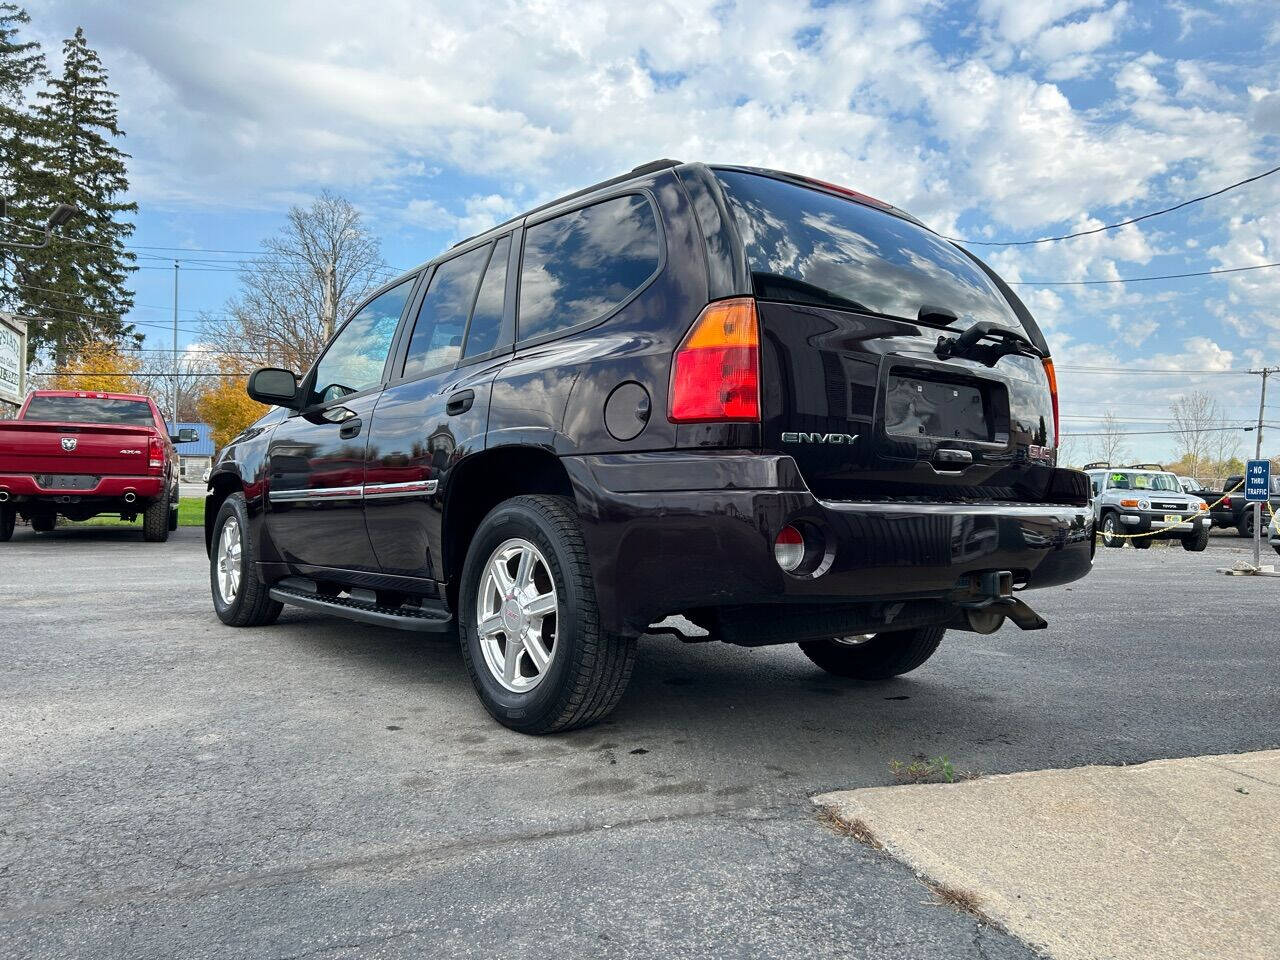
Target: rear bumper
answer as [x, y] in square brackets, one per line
[668, 533]
[24, 488]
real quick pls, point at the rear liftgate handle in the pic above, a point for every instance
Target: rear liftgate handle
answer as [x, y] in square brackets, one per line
[460, 402]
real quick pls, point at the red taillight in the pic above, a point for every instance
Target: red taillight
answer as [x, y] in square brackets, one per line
[715, 374]
[1226, 503]
[155, 455]
[1053, 395]
[788, 548]
[855, 194]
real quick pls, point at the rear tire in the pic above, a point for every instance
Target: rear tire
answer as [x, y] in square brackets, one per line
[1110, 531]
[155, 519]
[883, 656]
[8, 520]
[44, 522]
[584, 669]
[244, 601]
[1245, 526]
[1198, 541]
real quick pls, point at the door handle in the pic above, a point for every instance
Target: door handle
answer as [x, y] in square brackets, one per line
[460, 402]
[350, 429]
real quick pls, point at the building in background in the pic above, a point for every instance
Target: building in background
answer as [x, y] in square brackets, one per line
[194, 458]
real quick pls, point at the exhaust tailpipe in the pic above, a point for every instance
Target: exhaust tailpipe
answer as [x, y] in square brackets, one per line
[130, 496]
[4, 496]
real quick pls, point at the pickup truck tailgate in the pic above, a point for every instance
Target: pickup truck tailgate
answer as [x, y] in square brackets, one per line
[38, 447]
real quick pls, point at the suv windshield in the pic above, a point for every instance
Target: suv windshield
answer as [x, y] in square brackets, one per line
[132, 413]
[809, 246]
[1129, 480]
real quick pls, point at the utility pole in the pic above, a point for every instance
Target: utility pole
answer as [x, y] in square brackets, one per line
[330, 307]
[1257, 455]
[175, 345]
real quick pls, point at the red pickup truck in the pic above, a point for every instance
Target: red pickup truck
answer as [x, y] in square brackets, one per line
[76, 454]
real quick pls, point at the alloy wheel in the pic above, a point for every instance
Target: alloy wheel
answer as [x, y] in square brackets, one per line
[517, 615]
[229, 560]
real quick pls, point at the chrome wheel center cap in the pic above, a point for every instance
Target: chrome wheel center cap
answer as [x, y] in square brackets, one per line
[512, 616]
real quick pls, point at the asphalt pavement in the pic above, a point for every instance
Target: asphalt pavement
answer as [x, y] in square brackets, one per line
[172, 787]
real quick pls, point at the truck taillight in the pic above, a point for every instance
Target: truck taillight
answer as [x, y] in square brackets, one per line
[155, 455]
[715, 374]
[1053, 396]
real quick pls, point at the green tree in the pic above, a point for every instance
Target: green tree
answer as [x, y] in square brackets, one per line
[73, 291]
[21, 65]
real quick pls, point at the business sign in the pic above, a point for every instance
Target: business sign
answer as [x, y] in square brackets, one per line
[1257, 480]
[13, 358]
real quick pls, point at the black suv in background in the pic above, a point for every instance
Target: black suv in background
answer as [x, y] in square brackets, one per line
[786, 411]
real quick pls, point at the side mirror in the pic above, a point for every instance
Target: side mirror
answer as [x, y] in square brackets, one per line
[274, 386]
[185, 435]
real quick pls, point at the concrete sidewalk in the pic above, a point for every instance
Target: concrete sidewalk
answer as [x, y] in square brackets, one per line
[1169, 859]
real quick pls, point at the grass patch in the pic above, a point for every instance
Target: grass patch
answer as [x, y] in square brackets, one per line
[923, 769]
[962, 900]
[190, 514]
[854, 829]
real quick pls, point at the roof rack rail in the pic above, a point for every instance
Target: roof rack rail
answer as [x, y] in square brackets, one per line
[1144, 466]
[653, 166]
[1098, 465]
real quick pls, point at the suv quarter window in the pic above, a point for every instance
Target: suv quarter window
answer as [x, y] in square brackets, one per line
[485, 327]
[581, 265]
[356, 357]
[442, 317]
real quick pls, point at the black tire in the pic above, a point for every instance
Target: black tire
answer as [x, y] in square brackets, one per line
[1141, 543]
[8, 520]
[173, 518]
[885, 655]
[155, 519]
[251, 605]
[1111, 527]
[1245, 527]
[589, 668]
[44, 522]
[1198, 541]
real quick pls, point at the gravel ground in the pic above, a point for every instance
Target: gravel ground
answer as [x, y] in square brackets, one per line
[172, 787]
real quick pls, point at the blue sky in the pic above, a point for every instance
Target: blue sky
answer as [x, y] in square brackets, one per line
[991, 119]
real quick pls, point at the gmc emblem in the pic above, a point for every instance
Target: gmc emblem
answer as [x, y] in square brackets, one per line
[833, 438]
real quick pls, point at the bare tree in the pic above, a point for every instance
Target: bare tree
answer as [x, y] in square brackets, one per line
[311, 276]
[195, 369]
[1069, 449]
[1109, 445]
[1194, 417]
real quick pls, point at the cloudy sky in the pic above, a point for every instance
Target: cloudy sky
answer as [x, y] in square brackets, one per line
[989, 119]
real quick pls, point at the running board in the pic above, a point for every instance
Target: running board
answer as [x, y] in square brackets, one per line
[302, 593]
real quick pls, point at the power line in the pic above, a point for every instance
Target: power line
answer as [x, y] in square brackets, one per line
[1152, 433]
[1090, 283]
[1122, 223]
[1166, 372]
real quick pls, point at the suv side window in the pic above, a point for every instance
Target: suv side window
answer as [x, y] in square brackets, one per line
[486, 318]
[580, 265]
[355, 358]
[442, 318]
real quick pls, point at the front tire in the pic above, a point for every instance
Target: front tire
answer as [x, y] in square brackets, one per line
[1245, 527]
[8, 520]
[876, 656]
[1110, 531]
[1141, 543]
[1198, 541]
[44, 522]
[240, 597]
[529, 623]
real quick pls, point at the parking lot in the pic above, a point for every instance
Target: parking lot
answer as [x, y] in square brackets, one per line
[174, 787]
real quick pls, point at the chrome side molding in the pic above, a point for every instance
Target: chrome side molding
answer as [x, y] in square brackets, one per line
[370, 491]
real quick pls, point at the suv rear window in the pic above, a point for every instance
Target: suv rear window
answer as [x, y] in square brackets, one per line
[580, 265]
[129, 413]
[809, 246]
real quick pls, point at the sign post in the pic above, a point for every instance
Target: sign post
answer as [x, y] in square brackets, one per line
[13, 359]
[1257, 491]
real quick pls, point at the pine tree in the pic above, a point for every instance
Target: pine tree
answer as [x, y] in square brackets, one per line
[73, 291]
[21, 65]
